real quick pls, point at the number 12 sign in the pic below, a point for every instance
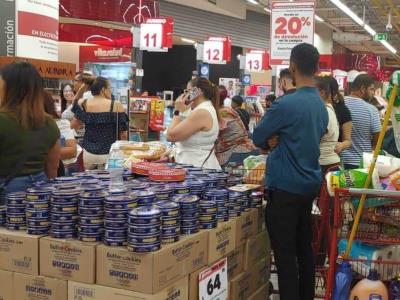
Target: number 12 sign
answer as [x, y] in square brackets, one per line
[213, 282]
[217, 50]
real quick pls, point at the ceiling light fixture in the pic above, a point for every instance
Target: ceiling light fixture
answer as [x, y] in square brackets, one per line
[360, 22]
[188, 41]
[267, 10]
[319, 19]
[253, 2]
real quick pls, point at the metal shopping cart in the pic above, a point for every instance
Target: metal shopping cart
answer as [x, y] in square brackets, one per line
[379, 225]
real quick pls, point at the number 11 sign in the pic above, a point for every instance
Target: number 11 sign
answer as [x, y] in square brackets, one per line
[156, 34]
[217, 50]
[213, 282]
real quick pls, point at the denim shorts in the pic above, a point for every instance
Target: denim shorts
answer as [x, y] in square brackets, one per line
[21, 183]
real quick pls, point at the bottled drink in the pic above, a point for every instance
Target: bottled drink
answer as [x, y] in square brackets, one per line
[370, 288]
[116, 169]
[344, 276]
[394, 289]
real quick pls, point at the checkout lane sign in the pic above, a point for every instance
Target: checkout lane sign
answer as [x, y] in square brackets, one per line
[292, 23]
[213, 282]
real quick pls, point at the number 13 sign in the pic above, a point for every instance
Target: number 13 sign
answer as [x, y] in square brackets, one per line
[156, 34]
[257, 61]
[213, 282]
[217, 50]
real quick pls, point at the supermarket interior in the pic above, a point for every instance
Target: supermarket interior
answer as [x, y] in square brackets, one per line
[199, 149]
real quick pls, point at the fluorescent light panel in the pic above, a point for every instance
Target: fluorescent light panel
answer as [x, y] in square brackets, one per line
[252, 1]
[318, 18]
[188, 41]
[267, 9]
[360, 22]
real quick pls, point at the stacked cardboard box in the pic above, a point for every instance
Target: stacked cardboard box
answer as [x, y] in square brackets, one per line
[40, 267]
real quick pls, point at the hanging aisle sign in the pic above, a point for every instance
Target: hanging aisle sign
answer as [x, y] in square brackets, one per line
[156, 34]
[292, 23]
[257, 61]
[217, 50]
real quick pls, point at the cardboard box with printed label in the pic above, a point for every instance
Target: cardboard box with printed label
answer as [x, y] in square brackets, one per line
[239, 287]
[260, 274]
[194, 284]
[235, 262]
[19, 252]
[256, 249]
[221, 240]
[82, 291]
[261, 294]
[68, 259]
[29, 287]
[246, 226]
[6, 285]
[151, 272]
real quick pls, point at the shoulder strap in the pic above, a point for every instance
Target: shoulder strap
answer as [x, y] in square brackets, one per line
[21, 162]
[84, 104]
[112, 105]
[209, 154]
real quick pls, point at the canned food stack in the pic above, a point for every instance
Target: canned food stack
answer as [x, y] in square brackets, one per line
[91, 201]
[234, 205]
[136, 185]
[234, 180]
[15, 211]
[38, 210]
[144, 231]
[222, 180]
[146, 198]
[3, 215]
[64, 213]
[117, 210]
[221, 197]
[208, 214]
[245, 202]
[190, 213]
[170, 221]
[197, 187]
[181, 188]
[163, 191]
[211, 182]
[256, 199]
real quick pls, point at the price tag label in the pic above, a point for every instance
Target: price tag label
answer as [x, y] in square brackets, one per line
[254, 62]
[151, 37]
[213, 52]
[213, 282]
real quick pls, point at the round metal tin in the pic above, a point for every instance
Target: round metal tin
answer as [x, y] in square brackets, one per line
[37, 214]
[208, 225]
[208, 218]
[168, 208]
[144, 249]
[137, 186]
[171, 221]
[112, 223]
[15, 210]
[65, 234]
[91, 221]
[190, 222]
[189, 230]
[115, 233]
[93, 229]
[16, 226]
[63, 217]
[37, 231]
[116, 214]
[16, 219]
[90, 202]
[169, 239]
[144, 239]
[95, 211]
[115, 242]
[67, 208]
[144, 213]
[38, 205]
[63, 226]
[181, 188]
[170, 230]
[36, 194]
[89, 238]
[144, 230]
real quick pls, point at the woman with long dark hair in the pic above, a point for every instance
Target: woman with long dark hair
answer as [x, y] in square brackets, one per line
[105, 122]
[67, 96]
[196, 134]
[29, 138]
[68, 142]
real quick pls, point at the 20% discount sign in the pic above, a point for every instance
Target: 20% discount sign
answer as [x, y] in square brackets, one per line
[291, 25]
[213, 282]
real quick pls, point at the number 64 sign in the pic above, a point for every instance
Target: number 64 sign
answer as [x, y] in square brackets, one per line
[217, 50]
[213, 282]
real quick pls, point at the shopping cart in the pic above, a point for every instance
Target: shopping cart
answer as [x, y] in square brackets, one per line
[379, 225]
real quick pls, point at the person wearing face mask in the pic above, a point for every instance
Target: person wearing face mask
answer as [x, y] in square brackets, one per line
[366, 121]
[286, 82]
[102, 118]
[195, 125]
[299, 119]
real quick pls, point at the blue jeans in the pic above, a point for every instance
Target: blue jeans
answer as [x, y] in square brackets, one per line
[19, 184]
